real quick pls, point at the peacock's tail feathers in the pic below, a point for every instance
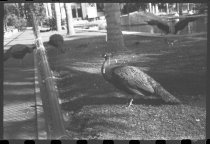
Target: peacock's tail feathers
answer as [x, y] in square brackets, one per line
[165, 95]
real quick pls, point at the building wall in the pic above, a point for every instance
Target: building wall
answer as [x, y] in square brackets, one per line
[86, 10]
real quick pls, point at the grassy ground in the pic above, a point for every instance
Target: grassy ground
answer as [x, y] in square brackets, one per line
[96, 110]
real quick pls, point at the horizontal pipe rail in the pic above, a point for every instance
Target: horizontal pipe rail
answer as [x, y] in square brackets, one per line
[49, 95]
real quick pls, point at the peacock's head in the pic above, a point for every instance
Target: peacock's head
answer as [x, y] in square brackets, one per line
[107, 56]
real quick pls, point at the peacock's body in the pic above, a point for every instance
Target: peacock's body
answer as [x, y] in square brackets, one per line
[18, 51]
[171, 27]
[133, 81]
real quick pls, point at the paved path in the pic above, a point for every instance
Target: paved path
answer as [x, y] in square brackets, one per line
[19, 92]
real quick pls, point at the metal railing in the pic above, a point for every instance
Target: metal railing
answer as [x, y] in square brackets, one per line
[49, 95]
[54, 121]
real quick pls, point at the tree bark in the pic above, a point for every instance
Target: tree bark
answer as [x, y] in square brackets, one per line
[58, 16]
[167, 9]
[60, 10]
[150, 7]
[180, 8]
[46, 9]
[69, 19]
[188, 7]
[34, 21]
[114, 34]
[18, 9]
[156, 9]
[21, 10]
[49, 9]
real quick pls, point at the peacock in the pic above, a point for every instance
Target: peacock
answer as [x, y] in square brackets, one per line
[18, 51]
[57, 41]
[134, 82]
[54, 47]
[171, 27]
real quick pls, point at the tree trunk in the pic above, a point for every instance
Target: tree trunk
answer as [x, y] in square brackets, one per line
[167, 9]
[114, 33]
[69, 19]
[188, 7]
[156, 9]
[177, 7]
[49, 9]
[21, 10]
[18, 10]
[46, 9]
[34, 21]
[153, 9]
[60, 11]
[150, 7]
[58, 16]
[180, 8]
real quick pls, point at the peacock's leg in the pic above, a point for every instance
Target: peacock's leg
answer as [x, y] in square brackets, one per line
[130, 103]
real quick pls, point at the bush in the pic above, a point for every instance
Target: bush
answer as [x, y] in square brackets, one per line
[201, 8]
[18, 23]
[56, 40]
[50, 22]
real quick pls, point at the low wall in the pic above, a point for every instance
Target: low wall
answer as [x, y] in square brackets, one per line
[136, 18]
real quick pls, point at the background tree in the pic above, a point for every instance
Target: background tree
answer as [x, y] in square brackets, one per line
[39, 11]
[132, 7]
[100, 7]
[201, 7]
[180, 8]
[10, 12]
[21, 9]
[13, 17]
[69, 19]
[114, 33]
[57, 16]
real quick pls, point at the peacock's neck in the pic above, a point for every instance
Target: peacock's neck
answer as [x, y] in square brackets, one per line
[104, 67]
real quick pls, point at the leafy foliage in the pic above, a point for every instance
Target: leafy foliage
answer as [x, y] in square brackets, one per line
[201, 7]
[39, 11]
[18, 15]
[18, 23]
[100, 7]
[131, 7]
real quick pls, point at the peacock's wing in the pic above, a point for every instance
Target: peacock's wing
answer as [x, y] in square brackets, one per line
[183, 23]
[160, 24]
[132, 78]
